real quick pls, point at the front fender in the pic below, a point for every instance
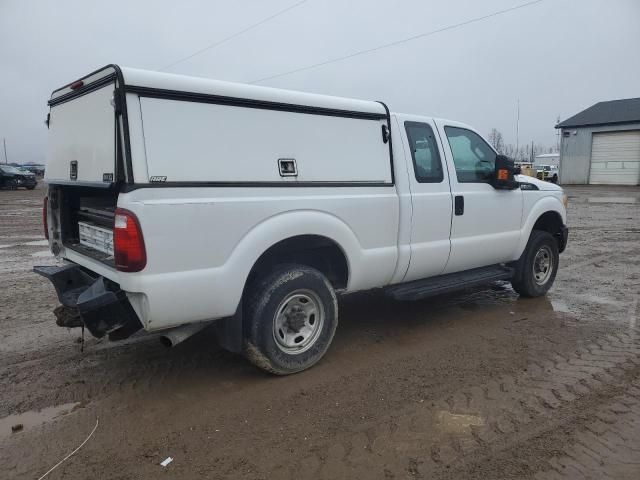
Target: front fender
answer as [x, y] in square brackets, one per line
[543, 205]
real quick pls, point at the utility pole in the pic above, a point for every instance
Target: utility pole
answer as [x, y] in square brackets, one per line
[4, 142]
[532, 156]
[518, 129]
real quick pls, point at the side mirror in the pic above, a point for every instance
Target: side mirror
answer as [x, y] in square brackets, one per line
[503, 178]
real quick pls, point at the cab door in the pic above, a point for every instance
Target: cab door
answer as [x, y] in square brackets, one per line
[485, 226]
[430, 198]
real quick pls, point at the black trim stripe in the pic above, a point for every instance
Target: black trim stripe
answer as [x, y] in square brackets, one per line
[88, 88]
[249, 103]
[121, 98]
[136, 186]
[106, 67]
[72, 183]
[388, 115]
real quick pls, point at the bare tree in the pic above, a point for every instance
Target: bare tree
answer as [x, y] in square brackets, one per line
[509, 150]
[495, 138]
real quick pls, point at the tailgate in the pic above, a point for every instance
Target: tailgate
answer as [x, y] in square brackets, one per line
[82, 132]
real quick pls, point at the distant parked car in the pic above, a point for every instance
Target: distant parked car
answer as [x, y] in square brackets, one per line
[14, 177]
[548, 173]
[38, 170]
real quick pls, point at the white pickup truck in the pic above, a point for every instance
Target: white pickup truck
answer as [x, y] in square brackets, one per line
[177, 202]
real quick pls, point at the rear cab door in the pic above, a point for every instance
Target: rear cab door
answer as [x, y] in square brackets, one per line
[85, 165]
[485, 226]
[431, 201]
[82, 132]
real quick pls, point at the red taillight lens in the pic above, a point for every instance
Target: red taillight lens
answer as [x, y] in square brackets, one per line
[128, 243]
[45, 221]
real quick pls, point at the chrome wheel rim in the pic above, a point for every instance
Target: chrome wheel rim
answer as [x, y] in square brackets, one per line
[298, 322]
[542, 265]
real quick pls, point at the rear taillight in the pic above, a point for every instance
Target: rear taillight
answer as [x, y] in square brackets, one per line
[128, 243]
[45, 221]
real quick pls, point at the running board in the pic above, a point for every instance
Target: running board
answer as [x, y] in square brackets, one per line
[448, 283]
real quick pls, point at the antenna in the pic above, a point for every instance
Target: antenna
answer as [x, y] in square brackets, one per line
[518, 129]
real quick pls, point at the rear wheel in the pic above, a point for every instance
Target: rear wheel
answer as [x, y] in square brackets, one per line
[290, 317]
[537, 268]
[31, 187]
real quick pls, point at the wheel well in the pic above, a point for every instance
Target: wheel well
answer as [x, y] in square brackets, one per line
[551, 222]
[314, 251]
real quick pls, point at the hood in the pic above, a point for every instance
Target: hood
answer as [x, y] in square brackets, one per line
[541, 184]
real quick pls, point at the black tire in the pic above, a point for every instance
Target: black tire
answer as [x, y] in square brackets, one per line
[554, 179]
[265, 308]
[31, 187]
[531, 280]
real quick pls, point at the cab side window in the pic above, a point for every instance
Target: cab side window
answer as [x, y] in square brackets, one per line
[474, 159]
[424, 152]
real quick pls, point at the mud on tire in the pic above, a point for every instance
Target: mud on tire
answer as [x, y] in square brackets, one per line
[531, 279]
[289, 319]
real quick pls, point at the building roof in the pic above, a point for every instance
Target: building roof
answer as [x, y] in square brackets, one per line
[606, 113]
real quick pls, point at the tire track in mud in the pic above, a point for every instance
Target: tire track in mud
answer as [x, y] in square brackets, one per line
[607, 447]
[505, 414]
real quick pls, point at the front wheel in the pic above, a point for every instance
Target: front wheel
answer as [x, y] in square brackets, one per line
[290, 317]
[537, 268]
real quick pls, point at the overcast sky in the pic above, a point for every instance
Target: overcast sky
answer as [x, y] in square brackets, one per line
[558, 57]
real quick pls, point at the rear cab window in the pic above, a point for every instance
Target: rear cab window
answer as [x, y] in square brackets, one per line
[424, 152]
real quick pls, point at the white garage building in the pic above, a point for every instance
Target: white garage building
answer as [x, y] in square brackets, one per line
[601, 145]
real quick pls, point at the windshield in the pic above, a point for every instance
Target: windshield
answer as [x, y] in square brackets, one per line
[10, 169]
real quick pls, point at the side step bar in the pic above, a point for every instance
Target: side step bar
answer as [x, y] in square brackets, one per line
[448, 283]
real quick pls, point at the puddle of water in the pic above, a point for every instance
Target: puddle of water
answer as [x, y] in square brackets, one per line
[633, 313]
[19, 237]
[560, 306]
[38, 243]
[44, 253]
[34, 418]
[612, 200]
[590, 298]
[458, 423]
[34, 243]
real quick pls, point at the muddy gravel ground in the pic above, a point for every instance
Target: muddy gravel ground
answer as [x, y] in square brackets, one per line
[480, 384]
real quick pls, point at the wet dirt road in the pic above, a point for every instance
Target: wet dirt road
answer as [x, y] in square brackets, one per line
[479, 384]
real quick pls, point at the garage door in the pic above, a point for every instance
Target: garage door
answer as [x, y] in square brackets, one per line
[615, 158]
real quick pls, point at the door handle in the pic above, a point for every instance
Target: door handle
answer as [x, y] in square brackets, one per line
[458, 205]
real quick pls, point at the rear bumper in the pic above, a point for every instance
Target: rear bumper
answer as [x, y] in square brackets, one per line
[102, 305]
